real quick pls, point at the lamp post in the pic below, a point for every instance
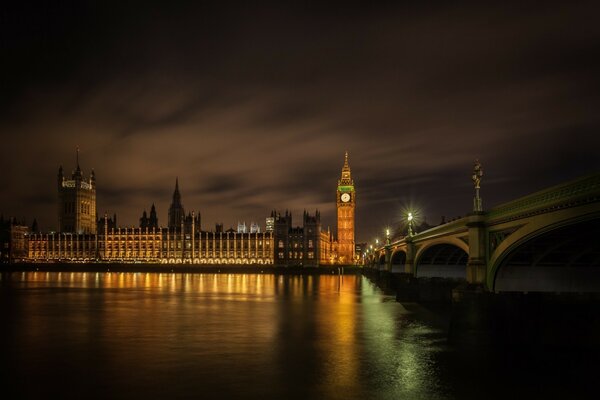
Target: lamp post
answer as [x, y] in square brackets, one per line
[410, 222]
[388, 249]
[476, 177]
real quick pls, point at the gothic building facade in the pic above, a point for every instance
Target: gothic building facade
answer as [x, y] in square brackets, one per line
[346, 205]
[182, 241]
[82, 238]
[305, 245]
[76, 202]
[151, 221]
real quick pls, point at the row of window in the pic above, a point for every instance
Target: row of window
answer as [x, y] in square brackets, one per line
[296, 255]
[84, 207]
[295, 244]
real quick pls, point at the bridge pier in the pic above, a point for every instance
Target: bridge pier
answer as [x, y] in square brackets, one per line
[409, 263]
[476, 265]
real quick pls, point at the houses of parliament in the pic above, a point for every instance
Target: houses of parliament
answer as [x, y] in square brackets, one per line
[83, 237]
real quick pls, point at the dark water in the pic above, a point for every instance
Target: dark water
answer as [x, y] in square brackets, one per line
[139, 335]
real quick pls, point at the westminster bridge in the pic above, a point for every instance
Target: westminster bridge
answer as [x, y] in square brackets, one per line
[548, 241]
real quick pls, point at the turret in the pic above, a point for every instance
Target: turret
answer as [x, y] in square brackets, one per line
[176, 211]
[34, 226]
[144, 220]
[77, 201]
[153, 220]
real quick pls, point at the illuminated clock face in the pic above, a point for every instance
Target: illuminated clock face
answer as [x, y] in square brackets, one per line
[345, 197]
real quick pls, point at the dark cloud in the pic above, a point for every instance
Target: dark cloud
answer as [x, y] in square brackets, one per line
[252, 107]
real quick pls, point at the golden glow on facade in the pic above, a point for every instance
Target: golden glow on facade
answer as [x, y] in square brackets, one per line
[77, 202]
[346, 204]
[154, 246]
[183, 242]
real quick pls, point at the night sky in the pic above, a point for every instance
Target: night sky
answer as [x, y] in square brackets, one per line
[252, 106]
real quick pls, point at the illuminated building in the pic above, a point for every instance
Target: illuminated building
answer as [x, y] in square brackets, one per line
[184, 242]
[63, 246]
[180, 243]
[77, 202]
[153, 246]
[346, 204]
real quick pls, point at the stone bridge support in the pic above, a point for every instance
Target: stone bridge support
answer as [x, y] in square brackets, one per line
[477, 265]
[409, 265]
[388, 258]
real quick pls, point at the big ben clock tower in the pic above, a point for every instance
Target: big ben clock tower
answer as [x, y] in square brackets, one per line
[346, 203]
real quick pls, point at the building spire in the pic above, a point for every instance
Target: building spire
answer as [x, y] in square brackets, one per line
[176, 211]
[176, 194]
[77, 159]
[78, 173]
[346, 174]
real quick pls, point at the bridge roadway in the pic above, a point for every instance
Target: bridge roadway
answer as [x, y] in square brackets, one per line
[548, 241]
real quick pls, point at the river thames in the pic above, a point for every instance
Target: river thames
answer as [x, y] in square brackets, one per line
[151, 335]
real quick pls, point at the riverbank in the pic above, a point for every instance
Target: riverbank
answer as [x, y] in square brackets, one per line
[182, 268]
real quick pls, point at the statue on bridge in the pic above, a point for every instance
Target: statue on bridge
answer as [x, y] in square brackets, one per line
[476, 177]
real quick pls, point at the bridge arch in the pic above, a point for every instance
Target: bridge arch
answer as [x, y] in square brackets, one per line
[444, 258]
[560, 257]
[374, 260]
[381, 260]
[398, 261]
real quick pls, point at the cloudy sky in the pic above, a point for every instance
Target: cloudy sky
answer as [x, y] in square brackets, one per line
[253, 106]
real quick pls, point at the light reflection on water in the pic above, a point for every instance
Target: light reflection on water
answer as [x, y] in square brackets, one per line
[150, 335]
[213, 335]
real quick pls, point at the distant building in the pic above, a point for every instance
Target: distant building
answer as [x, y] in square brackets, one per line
[254, 228]
[241, 228]
[77, 202]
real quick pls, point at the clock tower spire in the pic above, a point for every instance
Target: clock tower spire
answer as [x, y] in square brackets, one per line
[346, 204]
